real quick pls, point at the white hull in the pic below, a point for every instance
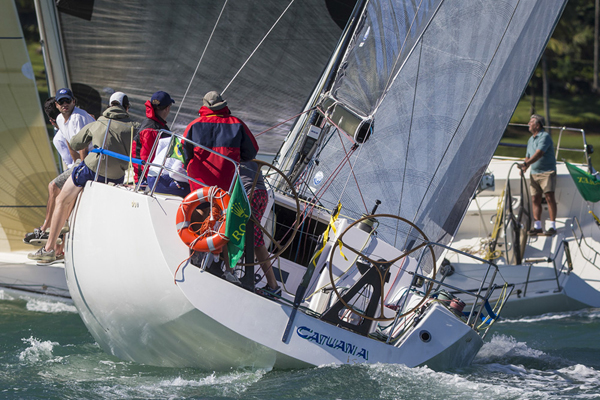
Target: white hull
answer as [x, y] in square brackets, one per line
[122, 257]
[540, 286]
[18, 274]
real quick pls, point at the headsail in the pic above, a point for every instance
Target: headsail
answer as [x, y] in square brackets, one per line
[142, 46]
[431, 85]
[26, 161]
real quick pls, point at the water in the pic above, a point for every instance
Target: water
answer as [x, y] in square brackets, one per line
[47, 353]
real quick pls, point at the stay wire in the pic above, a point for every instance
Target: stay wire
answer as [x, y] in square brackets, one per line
[257, 46]
[199, 62]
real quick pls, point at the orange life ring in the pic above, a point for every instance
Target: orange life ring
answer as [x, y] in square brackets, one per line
[204, 239]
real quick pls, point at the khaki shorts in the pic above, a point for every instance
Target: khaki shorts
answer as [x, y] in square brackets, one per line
[543, 183]
[60, 180]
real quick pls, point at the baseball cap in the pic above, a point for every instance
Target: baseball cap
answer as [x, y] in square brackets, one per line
[64, 93]
[120, 97]
[161, 99]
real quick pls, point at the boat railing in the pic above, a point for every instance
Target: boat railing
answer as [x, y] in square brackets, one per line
[474, 318]
[581, 240]
[176, 142]
[586, 150]
[565, 265]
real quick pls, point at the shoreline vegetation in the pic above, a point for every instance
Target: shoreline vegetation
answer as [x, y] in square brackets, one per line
[572, 100]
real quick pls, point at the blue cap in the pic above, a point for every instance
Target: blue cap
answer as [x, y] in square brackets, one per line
[64, 93]
[161, 99]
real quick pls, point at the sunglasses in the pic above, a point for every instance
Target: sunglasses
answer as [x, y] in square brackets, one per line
[64, 101]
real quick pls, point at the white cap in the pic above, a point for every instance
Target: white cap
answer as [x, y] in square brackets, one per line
[117, 96]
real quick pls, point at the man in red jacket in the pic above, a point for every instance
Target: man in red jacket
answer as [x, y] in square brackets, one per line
[221, 132]
[157, 110]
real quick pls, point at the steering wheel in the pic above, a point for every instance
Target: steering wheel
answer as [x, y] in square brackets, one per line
[379, 265]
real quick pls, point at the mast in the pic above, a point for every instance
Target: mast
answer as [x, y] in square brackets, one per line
[301, 142]
[52, 45]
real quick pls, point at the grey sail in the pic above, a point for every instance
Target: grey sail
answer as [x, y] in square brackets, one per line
[265, 54]
[421, 98]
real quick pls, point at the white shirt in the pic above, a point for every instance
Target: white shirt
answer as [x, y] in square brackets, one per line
[78, 119]
[60, 143]
[172, 163]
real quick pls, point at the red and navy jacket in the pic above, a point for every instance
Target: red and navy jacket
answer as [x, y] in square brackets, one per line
[144, 139]
[223, 133]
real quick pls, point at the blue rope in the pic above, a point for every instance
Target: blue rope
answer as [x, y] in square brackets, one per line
[118, 156]
[488, 308]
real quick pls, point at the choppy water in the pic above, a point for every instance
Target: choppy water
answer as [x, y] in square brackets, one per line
[47, 353]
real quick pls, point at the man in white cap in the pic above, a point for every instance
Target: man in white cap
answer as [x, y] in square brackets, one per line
[110, 169]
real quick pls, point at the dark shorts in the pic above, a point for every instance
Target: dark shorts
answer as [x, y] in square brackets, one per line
[259, 204]
[168, 185]
[82, 174]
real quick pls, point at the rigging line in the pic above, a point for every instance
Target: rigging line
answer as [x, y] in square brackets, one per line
[324, 114]
[329, 181]
[199, 61]
[387, 87]
[412, 113]
[318, 195]
[470, 101]
[404, 44]
[256, 48]
[40, 206]
[354, 176]
[287, 120]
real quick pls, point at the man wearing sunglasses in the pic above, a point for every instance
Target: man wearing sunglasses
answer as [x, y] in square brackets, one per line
[71, 119]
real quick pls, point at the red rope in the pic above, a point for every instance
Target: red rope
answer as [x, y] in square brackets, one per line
[287, 120]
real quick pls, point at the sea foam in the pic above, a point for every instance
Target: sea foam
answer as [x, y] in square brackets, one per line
[37, 350]
[50, 307]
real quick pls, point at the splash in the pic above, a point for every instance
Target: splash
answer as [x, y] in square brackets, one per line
[5, 296]
[231, 384]
[590, 313]
[37, 350]
[502, 347]
[50, 307]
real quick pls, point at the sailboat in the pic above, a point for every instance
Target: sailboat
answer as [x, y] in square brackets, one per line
[27, 166]
[550, 273]
[384, 158]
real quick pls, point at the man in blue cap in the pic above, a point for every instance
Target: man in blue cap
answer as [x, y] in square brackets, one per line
[71, 119]
[157, 110]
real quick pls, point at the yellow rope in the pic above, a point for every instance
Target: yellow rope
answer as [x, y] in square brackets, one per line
[498, 306]
[491, 255]
[130, 166]
[595, 217]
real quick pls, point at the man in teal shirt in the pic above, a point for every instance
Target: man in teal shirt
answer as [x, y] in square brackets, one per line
[540, 157]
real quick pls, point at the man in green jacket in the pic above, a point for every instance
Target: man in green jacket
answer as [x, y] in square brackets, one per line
[117, 139]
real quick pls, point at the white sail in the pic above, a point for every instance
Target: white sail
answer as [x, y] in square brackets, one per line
[445, 79]
[26, 161]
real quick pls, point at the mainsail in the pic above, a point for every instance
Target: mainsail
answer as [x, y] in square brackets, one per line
[26, 161]
[423, 95]
[265, 55]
